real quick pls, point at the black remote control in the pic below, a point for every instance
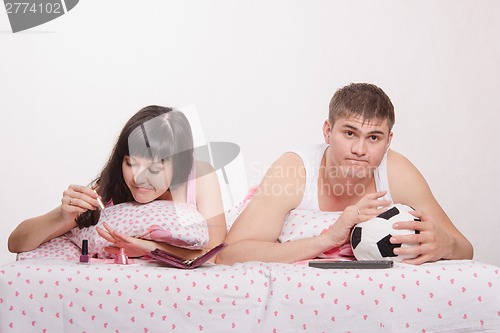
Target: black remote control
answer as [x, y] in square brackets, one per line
[354, 264]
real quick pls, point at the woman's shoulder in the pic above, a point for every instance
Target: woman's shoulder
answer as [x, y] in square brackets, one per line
[204, 176]
[203, 168]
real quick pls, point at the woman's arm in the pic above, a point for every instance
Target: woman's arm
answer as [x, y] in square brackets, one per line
[438, 237]
[209, 203]
[137, 247]
[32, 232]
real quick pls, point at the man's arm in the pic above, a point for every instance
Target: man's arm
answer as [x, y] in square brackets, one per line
[254, 234]
[438, 238]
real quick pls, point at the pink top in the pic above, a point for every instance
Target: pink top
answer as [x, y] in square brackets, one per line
[191, 187]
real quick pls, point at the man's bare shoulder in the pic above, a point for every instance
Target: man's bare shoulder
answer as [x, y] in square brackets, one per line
[283, 183]
[398, 162]
[395, 157]
[403, 175]
[291, 158]
[288, 166]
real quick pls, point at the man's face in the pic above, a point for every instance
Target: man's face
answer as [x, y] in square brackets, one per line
[357, 146]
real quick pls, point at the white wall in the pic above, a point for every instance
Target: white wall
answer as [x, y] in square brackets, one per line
[261, 74]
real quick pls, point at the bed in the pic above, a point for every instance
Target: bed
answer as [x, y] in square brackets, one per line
[59, 294]
[49, 290]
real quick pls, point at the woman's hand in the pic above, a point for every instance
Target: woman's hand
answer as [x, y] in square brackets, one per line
[365, 209]
[76, 200]
[134, 247]
[434, 242]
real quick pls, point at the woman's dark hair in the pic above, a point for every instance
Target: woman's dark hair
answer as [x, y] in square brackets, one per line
[155, 132]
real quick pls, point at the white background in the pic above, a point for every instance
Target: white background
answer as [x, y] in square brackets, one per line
[261, 74]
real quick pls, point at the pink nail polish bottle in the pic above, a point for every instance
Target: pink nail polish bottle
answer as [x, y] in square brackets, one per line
[121, 258]
[85, 258]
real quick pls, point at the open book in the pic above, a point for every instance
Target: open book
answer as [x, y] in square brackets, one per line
[179, 262]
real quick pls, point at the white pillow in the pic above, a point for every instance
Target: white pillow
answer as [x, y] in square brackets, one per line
[301, 223]
[178, 224]
[298, 224]
[58, 248]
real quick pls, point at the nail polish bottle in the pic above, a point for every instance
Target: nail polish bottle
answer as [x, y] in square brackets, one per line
[121, 258]
[85, 258]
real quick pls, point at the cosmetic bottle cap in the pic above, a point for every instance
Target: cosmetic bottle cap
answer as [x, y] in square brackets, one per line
[121, 258]
[85, 247]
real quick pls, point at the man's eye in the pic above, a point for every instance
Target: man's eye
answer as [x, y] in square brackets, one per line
[374, 137]
[349, 133]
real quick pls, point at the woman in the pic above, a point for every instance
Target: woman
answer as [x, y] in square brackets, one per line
[152, 160]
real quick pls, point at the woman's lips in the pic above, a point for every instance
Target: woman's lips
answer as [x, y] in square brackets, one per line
[144, 189]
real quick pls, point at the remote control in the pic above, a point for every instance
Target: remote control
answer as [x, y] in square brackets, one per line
[355, 264]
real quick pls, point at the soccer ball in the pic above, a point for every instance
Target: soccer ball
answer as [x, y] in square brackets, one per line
[370, 239]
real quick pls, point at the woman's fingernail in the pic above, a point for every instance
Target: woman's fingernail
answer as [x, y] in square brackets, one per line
[392, 240]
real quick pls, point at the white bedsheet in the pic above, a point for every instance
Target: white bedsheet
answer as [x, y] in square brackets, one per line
[54, 295]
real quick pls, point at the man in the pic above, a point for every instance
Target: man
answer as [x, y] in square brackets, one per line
[354, 174]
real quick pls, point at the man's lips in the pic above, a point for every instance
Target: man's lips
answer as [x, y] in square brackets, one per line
[356, 161]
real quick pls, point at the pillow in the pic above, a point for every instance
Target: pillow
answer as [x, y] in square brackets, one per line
[56, 248]
[234, 211]
[178, 224]
[301, 223]
[298, 224]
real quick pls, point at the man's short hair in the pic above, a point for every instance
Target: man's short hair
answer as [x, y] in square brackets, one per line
[363, 100]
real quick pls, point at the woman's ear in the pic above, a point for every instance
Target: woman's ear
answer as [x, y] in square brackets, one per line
[327, 130]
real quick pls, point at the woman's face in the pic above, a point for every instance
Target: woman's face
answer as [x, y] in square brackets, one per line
[146, 179]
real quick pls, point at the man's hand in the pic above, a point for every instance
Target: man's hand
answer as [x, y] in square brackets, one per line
[434, 242]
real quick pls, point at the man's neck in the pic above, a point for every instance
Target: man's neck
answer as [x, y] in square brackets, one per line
[340, 190]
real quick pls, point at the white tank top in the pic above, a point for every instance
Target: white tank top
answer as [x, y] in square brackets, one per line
[311, 157]
[307, 220]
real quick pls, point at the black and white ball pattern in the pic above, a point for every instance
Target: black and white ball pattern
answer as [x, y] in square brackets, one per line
[370, 239]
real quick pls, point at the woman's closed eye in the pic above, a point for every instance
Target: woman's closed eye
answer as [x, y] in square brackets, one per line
[155, 170]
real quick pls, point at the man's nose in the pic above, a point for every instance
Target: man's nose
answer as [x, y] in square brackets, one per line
[359, 147]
